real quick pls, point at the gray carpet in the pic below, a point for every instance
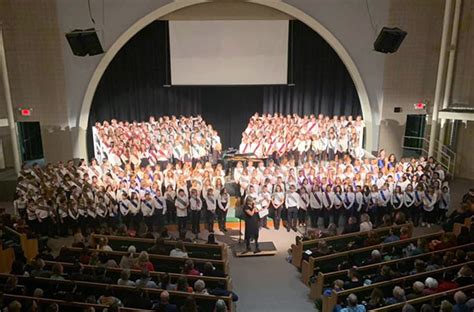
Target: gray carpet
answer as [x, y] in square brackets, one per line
[269, 283]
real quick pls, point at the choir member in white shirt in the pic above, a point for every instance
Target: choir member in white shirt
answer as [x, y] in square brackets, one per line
[430, 200]
[73, 214]
[182, 204]
[278, 201]
[328, 205]
[316, 206]
[397, 200]
[292, 202]
[304, 204]
[332, 146]
[147, 207]
[444, 202]
[359, 204]
[211, 206]
[263, 204]
[383, 204]
[160, 209]
[170, 196]
[349, 202]
[418, 204]
[102, 209]
[135, 210]
[195, 204]
[223, 203]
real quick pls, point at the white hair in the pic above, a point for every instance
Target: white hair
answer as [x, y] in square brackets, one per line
[431, 283]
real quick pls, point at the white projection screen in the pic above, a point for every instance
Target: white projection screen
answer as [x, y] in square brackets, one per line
[230, 52]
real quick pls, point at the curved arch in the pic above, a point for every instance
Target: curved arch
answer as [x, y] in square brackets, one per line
[80, 148]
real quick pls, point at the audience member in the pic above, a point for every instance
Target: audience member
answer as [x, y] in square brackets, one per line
[145, 280]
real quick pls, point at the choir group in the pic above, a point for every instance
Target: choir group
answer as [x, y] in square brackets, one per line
[321, 137]
[292, 188]
[156, 141]
[333, 191]
[87, 195]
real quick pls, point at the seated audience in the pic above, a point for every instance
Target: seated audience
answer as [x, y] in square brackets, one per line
[145, 280]
[353, 305]
[179, 251]
[124, 279]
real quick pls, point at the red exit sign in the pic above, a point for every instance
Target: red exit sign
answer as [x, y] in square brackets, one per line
[25, 111]
[420, 105]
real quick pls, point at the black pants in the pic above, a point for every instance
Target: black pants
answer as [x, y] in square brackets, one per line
[249, 237]
[429, 216]
[44, 226]
[171, 212]
[328, 216]
[158, 219]
[221, 217]
[149, 222]
[195, 220]
[302, 217]
[314, 214]
[331, 154]
[182, 223]
[277, 217]
[210, 218]
[292, 217]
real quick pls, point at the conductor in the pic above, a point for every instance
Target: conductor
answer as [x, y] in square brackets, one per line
[251, 224]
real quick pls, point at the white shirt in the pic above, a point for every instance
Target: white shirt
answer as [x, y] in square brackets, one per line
[211, 203]
[181, 204]
[148, 207]
[195, 203]
[292, 200]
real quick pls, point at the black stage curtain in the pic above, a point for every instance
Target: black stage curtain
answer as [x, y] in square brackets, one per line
[322, 83]
[133, 86]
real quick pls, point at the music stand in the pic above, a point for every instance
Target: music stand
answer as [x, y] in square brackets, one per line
[239, 213]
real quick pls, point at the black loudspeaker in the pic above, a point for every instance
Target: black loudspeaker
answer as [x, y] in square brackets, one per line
[389, 40]
[84, 42]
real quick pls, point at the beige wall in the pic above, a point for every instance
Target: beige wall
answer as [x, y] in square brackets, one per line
[463, 84]
[465, 143]
[36, 72]
[410, 73]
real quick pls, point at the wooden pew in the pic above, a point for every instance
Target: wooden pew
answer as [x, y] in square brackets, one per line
[433, 299]
[195, 250]
[329, 262]
[160, 263]
[114, 273]
[329, 302]
[205, 302]
[28, 245]
[7, 256]
[324, 280]
[298, 249]
[70, 306]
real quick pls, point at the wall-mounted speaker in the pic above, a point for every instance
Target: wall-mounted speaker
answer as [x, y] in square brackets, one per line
[84, 42]
[389, 40]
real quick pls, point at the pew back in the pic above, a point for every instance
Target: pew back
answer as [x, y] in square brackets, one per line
[330, 262]
[195, 250]
[81, 289]
[28, 245]
[338, 241]
[329, 302]
[325, 280]
[433, 299]
[160, 263]
[114, 274]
